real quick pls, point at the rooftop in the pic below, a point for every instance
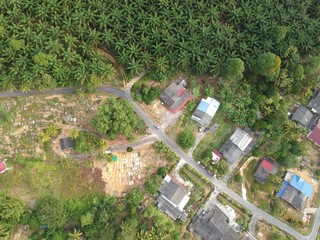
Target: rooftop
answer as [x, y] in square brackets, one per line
[315, 102]
[175, 96]
[241, 138]
[173, 197]
[240, 144]
[213, 226]
[295, 190]
[314, 136]
[303, 116]
[205, 111]
[66, 143]
[266, 168]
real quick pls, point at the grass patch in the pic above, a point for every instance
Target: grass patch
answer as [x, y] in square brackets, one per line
[243, 215]
[219, 137]
[200, 191]
[63, 178]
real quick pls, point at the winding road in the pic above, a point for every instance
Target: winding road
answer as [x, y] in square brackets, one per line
[220, 185]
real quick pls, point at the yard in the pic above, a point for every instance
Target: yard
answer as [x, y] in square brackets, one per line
[214, 140]
[199, 191]
[268, 232]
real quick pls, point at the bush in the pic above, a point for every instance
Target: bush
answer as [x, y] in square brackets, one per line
[238, 178]
[162, 171]
[129, 149]
[186, 139]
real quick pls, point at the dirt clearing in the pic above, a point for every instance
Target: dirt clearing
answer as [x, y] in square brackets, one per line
[130, 170]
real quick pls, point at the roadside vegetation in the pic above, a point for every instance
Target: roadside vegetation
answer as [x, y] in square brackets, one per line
[200, 190]
[243, 215]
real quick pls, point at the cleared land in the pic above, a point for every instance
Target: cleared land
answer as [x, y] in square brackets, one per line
[130, 170]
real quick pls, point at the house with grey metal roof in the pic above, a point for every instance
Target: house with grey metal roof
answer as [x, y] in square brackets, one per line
[240, 144]
[314, 103]
[266, 167]
[173, 198]
[175, 96]
[213, 225]
[205, 111]
[304, 117]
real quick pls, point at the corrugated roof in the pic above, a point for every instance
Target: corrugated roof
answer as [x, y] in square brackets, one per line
[315, 102]
[268, 165]
[303, 116]
[315, 134]
[301, 185]
[205, 111]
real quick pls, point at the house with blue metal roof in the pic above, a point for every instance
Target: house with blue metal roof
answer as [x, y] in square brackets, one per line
[295, 190]
[205, 111]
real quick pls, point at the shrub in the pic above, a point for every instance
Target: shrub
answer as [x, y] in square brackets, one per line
[162, 171]
[186, 139]
[129, 149]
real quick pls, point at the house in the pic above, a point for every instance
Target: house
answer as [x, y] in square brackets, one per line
[3, 167]
[216, 156]
[205, 111]
[213, 225]
[266, 167]
[66, 143]
[295, 190]
[314, 103]
[314, 135]
[304, 117]
[240, 144]
[175, 96]
[173, 198]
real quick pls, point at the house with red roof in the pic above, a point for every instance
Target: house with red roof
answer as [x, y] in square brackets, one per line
[216, 156]
[3, 167]
[266, 167]
[314, 135]
[176, 96]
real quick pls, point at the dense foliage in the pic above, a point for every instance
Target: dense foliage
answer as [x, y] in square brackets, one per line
[11, 210]
[115, 117]
[186, 139]
[49, 43]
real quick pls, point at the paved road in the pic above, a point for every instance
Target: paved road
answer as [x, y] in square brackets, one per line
[220, 185]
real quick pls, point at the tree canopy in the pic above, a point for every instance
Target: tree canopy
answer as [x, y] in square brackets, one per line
[115, 117]
[233, 69]
[51, 213]
[186, 139]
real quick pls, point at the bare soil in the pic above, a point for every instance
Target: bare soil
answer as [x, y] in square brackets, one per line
[130, 170]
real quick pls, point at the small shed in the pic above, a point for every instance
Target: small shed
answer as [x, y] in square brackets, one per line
[66, 143]
[216, 156]
[114, 158]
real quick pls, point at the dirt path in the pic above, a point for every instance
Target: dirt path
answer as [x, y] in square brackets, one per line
[243, 186]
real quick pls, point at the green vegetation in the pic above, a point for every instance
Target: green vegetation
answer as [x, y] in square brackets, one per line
[49, 133]
[115, 117]
[186, 139]
[11, 210]
[88, 142]
[201, 187]
[5, 116]
[141, 91]
[152, 183]
[50, 212]
[243, 215]
[165, 151]
[164, 40]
